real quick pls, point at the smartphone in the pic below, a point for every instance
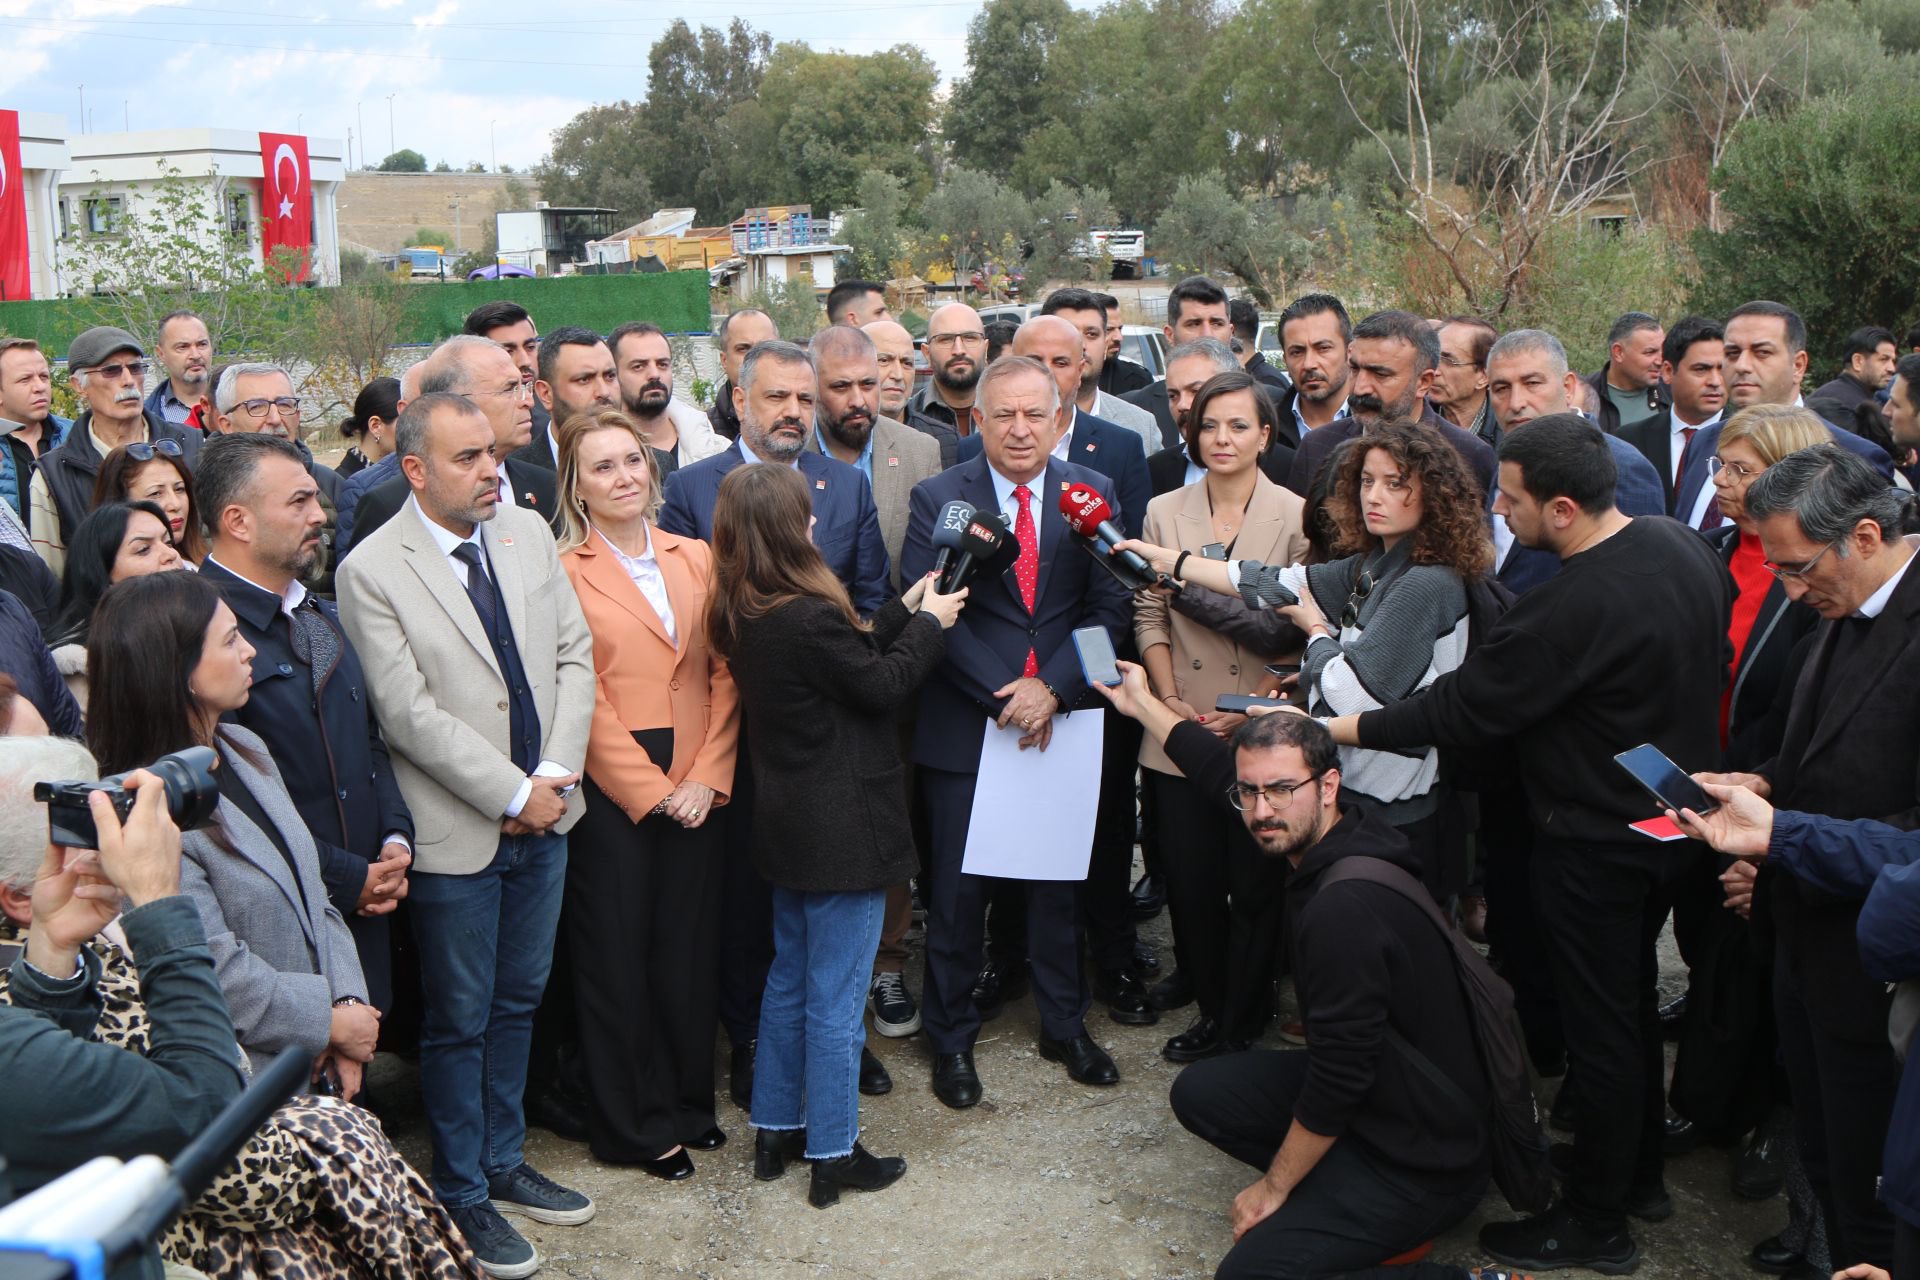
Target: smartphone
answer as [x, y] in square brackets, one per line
[1097, 660]
[1239, 702]
[1214, 551]
[1664, 780]
[1283, 668]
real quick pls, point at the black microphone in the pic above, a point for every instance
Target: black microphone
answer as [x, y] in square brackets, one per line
[948, 529]
[1088, 515]
[984, 544]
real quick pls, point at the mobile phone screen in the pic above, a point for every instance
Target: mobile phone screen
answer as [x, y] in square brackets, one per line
[1664, 780]
[1097, 660]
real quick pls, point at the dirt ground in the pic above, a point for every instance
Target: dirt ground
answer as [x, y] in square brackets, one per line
[1044, 1179]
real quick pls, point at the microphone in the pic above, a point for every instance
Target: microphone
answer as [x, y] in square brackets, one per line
[948, 529]
[1088, 515]
[986, 545]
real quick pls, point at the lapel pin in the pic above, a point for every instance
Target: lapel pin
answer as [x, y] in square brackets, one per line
[1065, 485]
[893, 462]
[506, 542]
[819, 484]
[1089, 446]
[528, 496]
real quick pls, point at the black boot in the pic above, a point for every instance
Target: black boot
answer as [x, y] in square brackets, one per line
[772, 1148]
[861, 1171]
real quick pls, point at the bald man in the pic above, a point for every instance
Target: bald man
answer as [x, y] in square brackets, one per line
[957, 350]
[1115, 452]
[894, 347]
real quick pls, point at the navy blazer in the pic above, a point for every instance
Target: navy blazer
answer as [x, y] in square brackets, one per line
[1637, 491]
[1110, 449]
[329, 750]
[1697, 474]
[846, 528]
[987, 647]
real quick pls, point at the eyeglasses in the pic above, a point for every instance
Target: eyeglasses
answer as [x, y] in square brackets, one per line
[1784, 572]
[1278, 795]
[517, 392]
[289, 407]
[1361, 590]
[112, 372]
[973, 339]
[142, 451]
[1740, 470]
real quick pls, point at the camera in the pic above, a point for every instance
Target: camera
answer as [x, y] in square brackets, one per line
[187, 776]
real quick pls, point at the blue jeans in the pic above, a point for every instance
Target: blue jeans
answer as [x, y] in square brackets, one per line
[486, 945]
[807, 1069]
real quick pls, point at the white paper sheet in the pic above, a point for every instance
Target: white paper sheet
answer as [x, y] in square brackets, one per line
[1033, 811]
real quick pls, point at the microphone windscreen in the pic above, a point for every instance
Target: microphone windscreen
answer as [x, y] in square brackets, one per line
[950, 526]
[1084, 509]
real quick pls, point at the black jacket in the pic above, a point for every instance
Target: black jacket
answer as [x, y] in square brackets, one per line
[1258, 368]
[328, 745]
[1767, 669]
[71, 469]
[1155, 401]
[722, 416]
[532, 486]
[1364, 960]
[24, 656]
[943, 432]
[1659, 399]
[1320, 444]
[27, 577]
[1119, 376]
[823, 698]
[1845, 390]
[1851, 750]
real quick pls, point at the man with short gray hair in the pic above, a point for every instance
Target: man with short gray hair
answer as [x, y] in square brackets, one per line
[1831, 529]
[259, 398]
[1628, 389]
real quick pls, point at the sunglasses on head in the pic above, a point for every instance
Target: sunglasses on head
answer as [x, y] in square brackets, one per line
[142, 451]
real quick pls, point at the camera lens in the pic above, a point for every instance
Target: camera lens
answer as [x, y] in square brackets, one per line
[192, 794]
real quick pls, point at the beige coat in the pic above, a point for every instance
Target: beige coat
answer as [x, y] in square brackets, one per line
[1205, 663]
[902, 458]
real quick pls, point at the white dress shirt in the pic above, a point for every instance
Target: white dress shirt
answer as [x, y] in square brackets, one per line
[447, 540]
[1010, 506]
[1676, 451]
[1875, 604]
[644, 569]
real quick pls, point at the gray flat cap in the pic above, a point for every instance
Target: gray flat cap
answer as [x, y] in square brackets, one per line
[96, 344]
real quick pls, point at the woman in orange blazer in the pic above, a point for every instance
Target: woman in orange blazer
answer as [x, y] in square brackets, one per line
[1220, 890]
[644, 869]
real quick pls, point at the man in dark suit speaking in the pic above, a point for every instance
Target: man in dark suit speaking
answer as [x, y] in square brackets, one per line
[775, 401]
[1010, 660]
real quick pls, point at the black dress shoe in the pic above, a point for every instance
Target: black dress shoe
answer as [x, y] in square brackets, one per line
[548, 1109]
[1146, 959]
[874, 1079]
[1085, 1061]
[712, 1140]
[1773, 1257]
[1203, 1039]
[772, 1148]
[996, 985]
[955, 1082]
[859, 1171]
[667, 1168]
[740, 1075]
[1682, 1135]
[1175, 991]
[1560, 1115]
[1673, 1017]
[1148, 898]
[1758, 1172]
[1125, 997]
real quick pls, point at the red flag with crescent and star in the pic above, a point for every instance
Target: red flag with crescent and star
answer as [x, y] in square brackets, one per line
[286, 203]
[16, 267]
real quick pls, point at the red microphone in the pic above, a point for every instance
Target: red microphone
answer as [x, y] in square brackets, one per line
[1089, 515]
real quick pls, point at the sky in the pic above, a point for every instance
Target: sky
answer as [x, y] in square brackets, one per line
[470, 80]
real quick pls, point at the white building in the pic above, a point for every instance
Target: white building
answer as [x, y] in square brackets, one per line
[43, 156]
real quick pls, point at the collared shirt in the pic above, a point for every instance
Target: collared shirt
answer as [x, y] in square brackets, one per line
[446, 539]
[1503, 541]
[1301, 422]
[864, 461]
[1010, 506]
[749, 455]
[170, 406]
[1676, 451]
[1708, 495]
[290, 599]
[1875, 604]
[644, 570]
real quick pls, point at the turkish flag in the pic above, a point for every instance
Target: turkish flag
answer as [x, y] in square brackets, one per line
[16, 268]
[286, 202]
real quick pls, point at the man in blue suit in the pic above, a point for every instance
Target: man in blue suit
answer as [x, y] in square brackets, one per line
[1528, 378]
[1766, 362]
[774, 399]
[1117, 453]
[1010, 660]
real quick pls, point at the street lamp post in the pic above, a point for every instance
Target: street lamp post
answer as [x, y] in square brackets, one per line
[391, 148]
[361, 116]
[492, 146]
[83, 108]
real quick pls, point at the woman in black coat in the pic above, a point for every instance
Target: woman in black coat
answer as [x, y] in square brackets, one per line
[821, 691]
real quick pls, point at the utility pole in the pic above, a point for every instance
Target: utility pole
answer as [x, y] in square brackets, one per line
[126, 114]
[391, 147]
[349, 148]
[83, 108]
[361, 116]
[493, 146]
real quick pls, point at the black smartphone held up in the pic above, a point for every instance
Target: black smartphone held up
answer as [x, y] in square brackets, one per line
[1214, 551]
[1664, 780]
[1097, 660]
[1239, 702]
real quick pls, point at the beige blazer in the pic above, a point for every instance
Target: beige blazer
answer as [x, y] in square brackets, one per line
[1205, 663]
[902, 458]
[436, 685]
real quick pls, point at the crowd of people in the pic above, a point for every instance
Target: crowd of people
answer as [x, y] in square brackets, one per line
[553, 737]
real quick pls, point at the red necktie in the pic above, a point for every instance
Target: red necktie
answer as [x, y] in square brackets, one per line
[1026, 569]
